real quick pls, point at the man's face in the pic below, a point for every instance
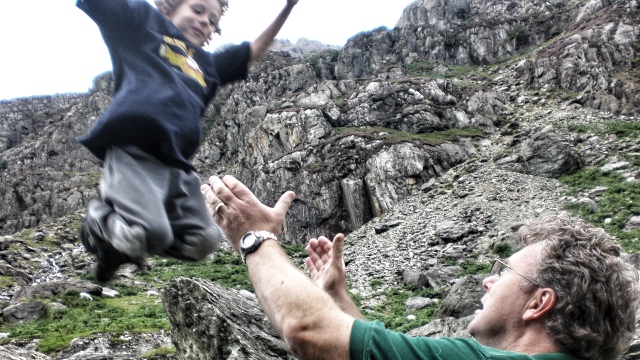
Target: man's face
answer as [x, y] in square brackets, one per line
[500, 320]
[196, 19]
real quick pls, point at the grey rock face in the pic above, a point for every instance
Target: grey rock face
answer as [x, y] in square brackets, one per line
[123, 346]
[446, 327]
[233, 323]
[52, 288]
[463, 299]
[545, 153]
[12, 352]
[588, 40]
[22, 312]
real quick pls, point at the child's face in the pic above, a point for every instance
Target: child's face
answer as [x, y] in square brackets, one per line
[196, 19]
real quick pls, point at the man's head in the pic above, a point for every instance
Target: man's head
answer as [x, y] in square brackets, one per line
[569, 283]
[198, 20]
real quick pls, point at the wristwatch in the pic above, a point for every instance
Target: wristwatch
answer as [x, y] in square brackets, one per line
[252, 240]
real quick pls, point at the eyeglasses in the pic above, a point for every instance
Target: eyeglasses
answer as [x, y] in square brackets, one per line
[498, 267]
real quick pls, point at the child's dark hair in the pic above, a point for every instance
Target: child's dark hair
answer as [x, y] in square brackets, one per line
[167, 6]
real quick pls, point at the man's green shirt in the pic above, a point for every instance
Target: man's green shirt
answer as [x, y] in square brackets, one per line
[370, 340]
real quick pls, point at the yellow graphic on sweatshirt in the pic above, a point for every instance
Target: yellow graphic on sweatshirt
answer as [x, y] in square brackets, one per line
[183, 60]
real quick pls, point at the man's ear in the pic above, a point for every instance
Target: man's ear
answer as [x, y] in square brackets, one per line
[540, 304]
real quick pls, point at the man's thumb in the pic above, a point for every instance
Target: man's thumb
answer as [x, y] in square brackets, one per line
[337, 247]
[285, 201]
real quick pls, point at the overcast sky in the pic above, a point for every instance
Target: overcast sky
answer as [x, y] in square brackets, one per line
[50, 46]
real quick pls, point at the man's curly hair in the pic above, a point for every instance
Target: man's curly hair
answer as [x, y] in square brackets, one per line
[597, 292]
[167, 6]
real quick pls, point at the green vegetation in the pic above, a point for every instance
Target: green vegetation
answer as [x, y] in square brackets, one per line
[619, 201]
[393, 312]
[130, 311]
[83, 317]
[580, 128]
[159, 352]
[503, 250]
[473, 267]
[621, 129]
[425, 69]
[376, 283]
[397, 136]
[419, 68]
[340, 101]
[624, 129]
[568, 96]
[520, 34]
[294, 251]
[7, 282]
[226, 269]
[3, 164]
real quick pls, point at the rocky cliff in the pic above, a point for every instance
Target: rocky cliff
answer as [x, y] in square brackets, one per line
[427, 143]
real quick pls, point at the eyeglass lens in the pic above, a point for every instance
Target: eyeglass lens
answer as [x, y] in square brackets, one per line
[495, 267]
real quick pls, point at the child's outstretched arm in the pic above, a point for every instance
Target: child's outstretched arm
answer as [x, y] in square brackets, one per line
[260, 45]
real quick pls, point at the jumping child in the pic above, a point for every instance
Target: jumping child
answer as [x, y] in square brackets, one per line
[150, 200]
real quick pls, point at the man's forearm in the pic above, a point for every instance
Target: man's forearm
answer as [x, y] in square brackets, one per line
[304, 315]
[347, 305]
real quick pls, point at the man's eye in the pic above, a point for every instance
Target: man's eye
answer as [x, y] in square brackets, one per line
[197, 10]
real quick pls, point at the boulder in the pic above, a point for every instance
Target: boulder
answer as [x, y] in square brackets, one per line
[212, 322]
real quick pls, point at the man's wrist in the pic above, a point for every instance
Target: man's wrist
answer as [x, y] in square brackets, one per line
[264, 248]
[252, 240]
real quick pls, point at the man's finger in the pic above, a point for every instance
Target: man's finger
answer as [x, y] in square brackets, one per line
[222, 188]
[311, 267]
[238, 189]
[338, 247]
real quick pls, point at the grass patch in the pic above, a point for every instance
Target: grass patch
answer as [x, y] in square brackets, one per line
[624, 129]
[473, 267]
[424, 69]
[83, 317]
[163, 351]
[419, 69]
[132, 310]
[579, 128]
[503, 250]
[294, 251]
[376, 283]
[621, 129]
[620, 200]
[397, 136]
[393, 312]
[7, 282]
[226, 269]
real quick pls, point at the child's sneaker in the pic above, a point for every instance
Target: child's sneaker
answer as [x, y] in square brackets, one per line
[110, 259]
[126, 244]
[85, 238]
[129, 240]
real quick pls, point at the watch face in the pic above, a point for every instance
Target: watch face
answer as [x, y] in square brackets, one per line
[248, 241]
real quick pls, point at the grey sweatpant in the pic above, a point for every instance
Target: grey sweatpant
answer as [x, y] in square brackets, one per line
[137, 188]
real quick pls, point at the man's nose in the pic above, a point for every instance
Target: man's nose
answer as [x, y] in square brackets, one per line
[488, 282]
